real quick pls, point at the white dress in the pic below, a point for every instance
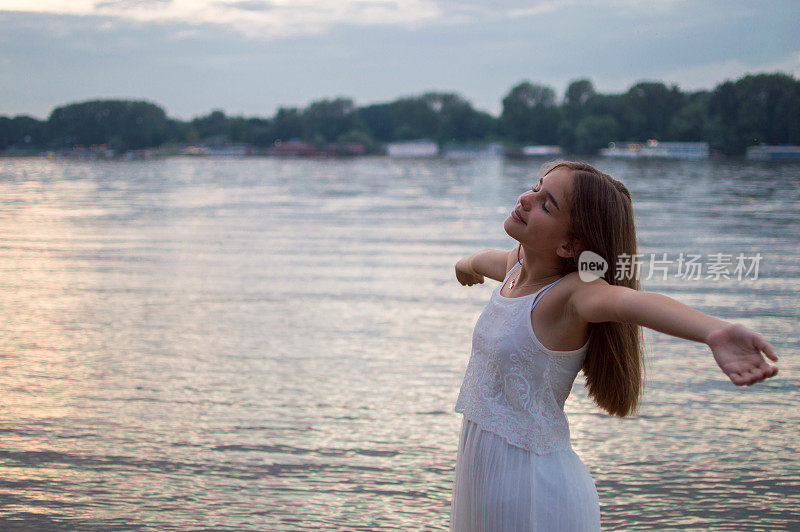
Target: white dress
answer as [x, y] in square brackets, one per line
[516, 469]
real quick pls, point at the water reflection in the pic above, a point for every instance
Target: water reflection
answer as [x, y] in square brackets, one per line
[278, 344]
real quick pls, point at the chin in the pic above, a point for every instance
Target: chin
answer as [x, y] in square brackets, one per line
[512, 228]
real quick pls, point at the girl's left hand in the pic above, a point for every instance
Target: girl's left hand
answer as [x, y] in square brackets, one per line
[738, 352]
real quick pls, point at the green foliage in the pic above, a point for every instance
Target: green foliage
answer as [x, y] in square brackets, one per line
[325, 121]
[120, 124]
[530, 114]
[287, 124]
[755, 109]
[414, 118]
[691, 122]
[378, 119]
[594, 132]
[212, 126]
[648, 110]
[22, 133]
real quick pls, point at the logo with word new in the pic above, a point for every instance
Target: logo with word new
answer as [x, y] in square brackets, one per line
[591, 266]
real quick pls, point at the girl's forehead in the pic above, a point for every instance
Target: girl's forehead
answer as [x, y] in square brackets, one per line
[559, 183]
[558, 172]
[558, 179]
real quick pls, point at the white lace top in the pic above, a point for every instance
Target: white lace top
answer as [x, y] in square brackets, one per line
[514, 386]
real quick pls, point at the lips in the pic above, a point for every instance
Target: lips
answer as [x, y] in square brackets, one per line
[515, 214]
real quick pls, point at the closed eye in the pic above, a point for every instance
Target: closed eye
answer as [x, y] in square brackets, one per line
[536, 188]
[543, 207]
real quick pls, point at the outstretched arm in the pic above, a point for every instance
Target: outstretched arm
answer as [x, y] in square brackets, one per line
[737, 350]
[491, 263]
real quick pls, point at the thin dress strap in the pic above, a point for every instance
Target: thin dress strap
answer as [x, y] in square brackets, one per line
[543, 292]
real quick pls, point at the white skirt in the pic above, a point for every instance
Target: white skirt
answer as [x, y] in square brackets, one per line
[503, 488]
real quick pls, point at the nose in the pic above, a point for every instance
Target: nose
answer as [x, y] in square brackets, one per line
[526, 199]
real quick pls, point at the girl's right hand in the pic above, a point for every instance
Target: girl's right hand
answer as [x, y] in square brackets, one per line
[465, 275]
[738, 352]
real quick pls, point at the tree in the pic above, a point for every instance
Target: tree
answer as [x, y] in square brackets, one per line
[530, 114]
[378, 120]
[414, 118]
[212, 126]
[260, 132]
[329, 119]
[648, 109]
[130, 124]
[458, 121]
[21, 132]
[594, 132]
[763, 108]
[691, 122]
[287, 124]
[577, 97]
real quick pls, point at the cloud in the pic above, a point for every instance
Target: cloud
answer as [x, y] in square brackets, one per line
[123, 5]
[789, 65]
[248, 5]
[258, 19]
[707, 75]
[249, 56]
[267, 19]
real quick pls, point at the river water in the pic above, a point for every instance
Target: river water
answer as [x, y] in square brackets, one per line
[267, 344]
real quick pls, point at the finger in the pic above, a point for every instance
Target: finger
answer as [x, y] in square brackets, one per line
[751, 376]
[766, 367]
[766, 348]
[747, 378]
[737, 379]
[769, 373]
[765, 372]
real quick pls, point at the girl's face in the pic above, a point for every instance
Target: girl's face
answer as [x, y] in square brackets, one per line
[540, 219]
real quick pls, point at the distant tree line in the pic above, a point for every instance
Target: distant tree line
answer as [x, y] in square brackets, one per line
[756, 109]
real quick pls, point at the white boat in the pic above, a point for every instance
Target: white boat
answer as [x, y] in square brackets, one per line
[413, 148]
[657, 149]
[535, 151]
[773, 153]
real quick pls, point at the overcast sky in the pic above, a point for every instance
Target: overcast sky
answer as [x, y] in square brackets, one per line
[252, 56]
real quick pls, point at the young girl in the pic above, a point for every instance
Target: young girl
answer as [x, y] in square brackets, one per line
[516, 469]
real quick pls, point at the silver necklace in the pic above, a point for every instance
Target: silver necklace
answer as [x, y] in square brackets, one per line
[512, 282]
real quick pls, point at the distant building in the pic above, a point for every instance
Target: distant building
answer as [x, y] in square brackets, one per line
[413, 148]
[345, 149]
[773, 153]
[534, 151]
[193, 150]
[92, 152]
[293, 148]
[229, 151]
[656, 149]
[473, 151]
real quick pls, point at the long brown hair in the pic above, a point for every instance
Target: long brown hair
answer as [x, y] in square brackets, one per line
[601, 220]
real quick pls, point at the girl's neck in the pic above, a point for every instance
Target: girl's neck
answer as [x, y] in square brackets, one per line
[536, 272]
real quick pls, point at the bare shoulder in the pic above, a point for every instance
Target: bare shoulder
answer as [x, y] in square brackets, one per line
[578, 286]
[563, 293]
[595, 301]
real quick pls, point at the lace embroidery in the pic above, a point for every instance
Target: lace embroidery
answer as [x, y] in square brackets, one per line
[511, 386]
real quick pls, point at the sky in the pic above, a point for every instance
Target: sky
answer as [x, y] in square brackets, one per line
[250, 57]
